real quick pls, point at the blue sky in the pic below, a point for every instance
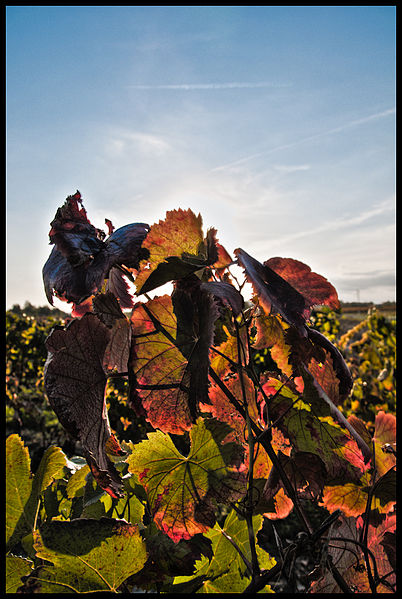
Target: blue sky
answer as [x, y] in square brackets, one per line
[277, 124]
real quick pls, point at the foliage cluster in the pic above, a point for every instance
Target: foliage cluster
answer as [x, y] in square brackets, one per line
[222, 445]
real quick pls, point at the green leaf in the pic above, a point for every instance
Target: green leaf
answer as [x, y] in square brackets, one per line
[181, 489]
[87, 555]
[76, 484]
[309, 429]
[16, 567]
[227, 571]
[20, 507]
[51, 467]
[23, 490]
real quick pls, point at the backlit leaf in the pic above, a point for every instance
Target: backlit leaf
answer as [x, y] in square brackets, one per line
[81, 259]
[196, 313]
[87, 555]
[385, 432]
[22, 489]
[349, 560]
[179, 234]
[226, 571]
[274, 293]
[16, 567]
[163, 380]
[182, 489]
[314, 287]
[270, 334]
[311, 430]
[75, 385]
[20, 508]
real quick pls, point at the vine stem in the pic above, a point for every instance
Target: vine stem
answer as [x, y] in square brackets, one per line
[259, 579]
[268, 448]
[250, 440]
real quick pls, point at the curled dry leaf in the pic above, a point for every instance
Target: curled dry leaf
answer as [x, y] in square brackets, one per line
[80, 259]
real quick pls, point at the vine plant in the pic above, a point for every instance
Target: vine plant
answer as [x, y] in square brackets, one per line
[228, 446]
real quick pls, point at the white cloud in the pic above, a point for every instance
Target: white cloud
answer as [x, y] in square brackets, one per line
[342, 223]
[289, 168]
[211, 86]
[121, 141]
[344, 127]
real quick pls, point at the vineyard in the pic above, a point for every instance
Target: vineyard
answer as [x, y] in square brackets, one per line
[198, 441]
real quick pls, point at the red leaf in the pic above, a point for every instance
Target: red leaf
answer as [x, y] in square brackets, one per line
[160, 368]
[314, 287]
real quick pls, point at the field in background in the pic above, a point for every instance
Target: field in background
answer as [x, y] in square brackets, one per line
[354, 312]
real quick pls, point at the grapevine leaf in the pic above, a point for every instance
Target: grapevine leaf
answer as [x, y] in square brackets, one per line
[314, 287]
[51, 467]
[181, 489]
[316, 394]
[305, 470]
[162, 377]
[20, 506]
[87, 555]
[349, 560]
[77, 482]
[80, 259]
[172, 269]
[225, 356]
[167, 559]
[270, 334]
[226, 293]
[180, 234]
[171, 354]
[287, 287]
[22, 489]
[221, 408]
[117, 352]
[337, 361]
[227, 566]
[196, 312]
[389, 544]
[75, 385]
[274, 293]
[16, 567]
[310, 428]
[351, 498]
[117, 284]
[384, 433]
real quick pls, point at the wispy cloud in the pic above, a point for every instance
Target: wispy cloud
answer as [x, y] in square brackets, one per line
[344, 127]
[291, 168]
[344, 222]
[197, 86]
[147, 143]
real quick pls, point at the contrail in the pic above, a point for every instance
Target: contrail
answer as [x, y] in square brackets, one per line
[195, 86]
[355, 123]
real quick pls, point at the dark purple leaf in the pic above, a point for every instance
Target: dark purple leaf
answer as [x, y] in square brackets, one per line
[288, 287]
[81, 260]
[341, 369]
[226, 293]
[196, 312]
[117, 284]
[75, 383]
[274, 293]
